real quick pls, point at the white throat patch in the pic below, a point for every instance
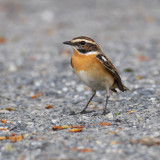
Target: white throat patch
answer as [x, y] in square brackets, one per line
[90, 53]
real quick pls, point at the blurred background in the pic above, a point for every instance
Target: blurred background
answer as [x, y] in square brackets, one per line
[31, 35]
[35, 72]
[31, 20]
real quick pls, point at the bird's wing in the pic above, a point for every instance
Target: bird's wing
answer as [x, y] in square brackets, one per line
[110, 67]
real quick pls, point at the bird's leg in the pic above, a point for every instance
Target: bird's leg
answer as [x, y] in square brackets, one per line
[84, 109]
[105, 110]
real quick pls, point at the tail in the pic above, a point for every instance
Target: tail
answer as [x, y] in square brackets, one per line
[125, 88]
[120, 86]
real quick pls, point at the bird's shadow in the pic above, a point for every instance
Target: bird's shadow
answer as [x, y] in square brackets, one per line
[86, 112]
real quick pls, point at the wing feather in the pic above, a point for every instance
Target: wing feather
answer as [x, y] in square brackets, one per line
[110, 67]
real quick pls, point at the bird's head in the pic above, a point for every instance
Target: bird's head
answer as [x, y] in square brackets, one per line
[84, 45]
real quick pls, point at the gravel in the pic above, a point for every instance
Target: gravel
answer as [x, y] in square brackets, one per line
[34, 61]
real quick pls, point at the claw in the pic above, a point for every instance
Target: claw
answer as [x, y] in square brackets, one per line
[105, 112]
[83, 112]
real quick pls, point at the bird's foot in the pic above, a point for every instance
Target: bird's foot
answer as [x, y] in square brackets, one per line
[105, 111]
[83, 112]
[72, 113]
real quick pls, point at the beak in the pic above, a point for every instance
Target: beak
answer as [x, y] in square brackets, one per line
[68, 43]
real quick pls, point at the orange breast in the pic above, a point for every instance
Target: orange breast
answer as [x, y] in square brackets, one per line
[94, 69]
[82, 61]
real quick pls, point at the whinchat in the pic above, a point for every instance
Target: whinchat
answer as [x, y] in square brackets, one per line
[94, 68]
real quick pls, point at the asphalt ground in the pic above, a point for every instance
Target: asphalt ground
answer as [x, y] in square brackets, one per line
[35, 74]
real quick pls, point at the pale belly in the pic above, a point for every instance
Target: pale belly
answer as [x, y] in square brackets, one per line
[97, 82]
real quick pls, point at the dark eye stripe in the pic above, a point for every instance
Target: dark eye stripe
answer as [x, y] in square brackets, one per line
[83, 50]
[87, 48]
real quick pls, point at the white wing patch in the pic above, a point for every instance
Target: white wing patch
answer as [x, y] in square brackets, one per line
[104, 58]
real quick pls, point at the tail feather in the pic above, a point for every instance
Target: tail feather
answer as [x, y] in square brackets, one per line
[114, 90]
[120, 86]
[125, 88]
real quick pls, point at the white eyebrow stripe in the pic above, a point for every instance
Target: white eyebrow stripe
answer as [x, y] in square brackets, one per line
[87, 41]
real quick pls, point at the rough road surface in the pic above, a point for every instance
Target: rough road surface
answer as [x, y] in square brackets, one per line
[35, 72]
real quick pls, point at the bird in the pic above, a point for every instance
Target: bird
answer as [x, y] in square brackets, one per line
[94, 68]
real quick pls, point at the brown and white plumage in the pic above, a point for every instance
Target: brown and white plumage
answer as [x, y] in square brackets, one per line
[94, 68]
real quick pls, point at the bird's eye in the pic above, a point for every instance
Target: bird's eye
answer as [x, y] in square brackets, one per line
[83, 42]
